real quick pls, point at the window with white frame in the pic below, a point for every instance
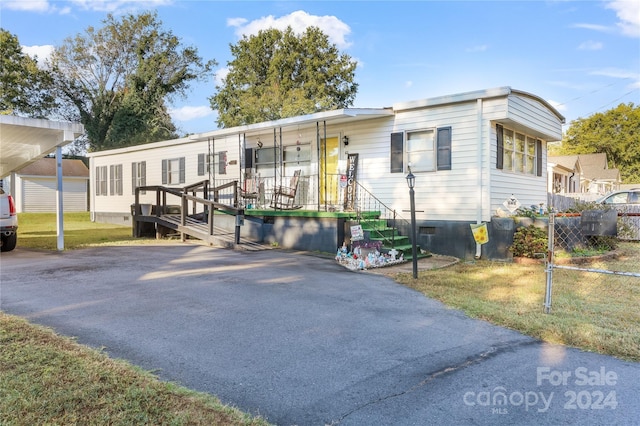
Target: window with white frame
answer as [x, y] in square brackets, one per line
[115, 179]
[421, 150]
[426, 150]
[101, 180]
[138, 175]
[173, 171]
[518, 152]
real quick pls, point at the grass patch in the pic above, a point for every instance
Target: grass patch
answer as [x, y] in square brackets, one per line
[39, 231]
[594, 312]
[48, 379]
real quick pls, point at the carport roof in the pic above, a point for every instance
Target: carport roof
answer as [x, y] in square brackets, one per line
[26, 140]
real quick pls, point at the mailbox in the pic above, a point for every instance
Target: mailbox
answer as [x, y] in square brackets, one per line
[599, 222]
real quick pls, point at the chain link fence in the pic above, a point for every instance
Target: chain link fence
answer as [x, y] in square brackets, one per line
[583, 259]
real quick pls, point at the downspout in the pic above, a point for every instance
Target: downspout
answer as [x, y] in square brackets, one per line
[479, 168]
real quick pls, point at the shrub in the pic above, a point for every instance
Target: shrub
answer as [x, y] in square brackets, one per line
[529, 241]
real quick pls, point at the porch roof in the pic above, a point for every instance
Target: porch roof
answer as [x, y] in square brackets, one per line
[334, 117]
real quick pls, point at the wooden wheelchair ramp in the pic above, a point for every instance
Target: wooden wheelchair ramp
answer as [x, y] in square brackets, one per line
[163, 217]
[199, 229]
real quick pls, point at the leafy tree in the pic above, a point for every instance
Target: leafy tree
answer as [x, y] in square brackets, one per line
[23, 86]
[116, 79]
[615, 132]
[278, 74]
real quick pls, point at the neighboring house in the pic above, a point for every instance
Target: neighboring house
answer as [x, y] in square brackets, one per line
[582, 173]
[469, 152]
[36, 186]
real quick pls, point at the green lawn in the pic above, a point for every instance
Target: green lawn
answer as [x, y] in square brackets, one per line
[590, 311]
[39, 230]
[48, 379]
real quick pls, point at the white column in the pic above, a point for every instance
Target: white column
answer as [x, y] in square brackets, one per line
[59, 199]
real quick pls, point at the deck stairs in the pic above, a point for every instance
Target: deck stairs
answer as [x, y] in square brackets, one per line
[379, 230]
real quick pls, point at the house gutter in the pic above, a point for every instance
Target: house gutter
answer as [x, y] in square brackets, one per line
[479, 169]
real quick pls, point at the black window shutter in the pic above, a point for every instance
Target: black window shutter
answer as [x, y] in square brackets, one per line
[120, 183]
[97, 180]
[248, 158]
[200, 164]
[143, 174]
[397, 152]
[133, 177]
[444, 148]
[500, 146]
[164, 172]
[539, 157]
[112, 180]
[181, 169]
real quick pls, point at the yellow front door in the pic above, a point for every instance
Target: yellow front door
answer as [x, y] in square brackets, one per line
[329, 179]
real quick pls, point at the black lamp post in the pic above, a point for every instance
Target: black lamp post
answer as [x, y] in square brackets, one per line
[411, 181]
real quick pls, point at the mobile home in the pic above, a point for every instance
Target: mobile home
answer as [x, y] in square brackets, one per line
[469, 153]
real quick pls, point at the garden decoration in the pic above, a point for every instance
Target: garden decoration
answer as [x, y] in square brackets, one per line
[366, 255]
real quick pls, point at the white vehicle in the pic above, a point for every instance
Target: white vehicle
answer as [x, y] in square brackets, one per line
[8, 222]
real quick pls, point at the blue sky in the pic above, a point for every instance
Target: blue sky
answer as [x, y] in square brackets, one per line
[581, 56]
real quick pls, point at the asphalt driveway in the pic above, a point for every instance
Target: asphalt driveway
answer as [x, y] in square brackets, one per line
[301, 340]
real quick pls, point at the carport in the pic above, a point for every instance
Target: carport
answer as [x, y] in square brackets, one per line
[25, 140]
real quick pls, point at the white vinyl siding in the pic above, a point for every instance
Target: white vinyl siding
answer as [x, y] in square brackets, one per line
[152, 155]
[39, 195]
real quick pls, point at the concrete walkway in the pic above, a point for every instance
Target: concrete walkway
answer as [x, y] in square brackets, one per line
[301, 340]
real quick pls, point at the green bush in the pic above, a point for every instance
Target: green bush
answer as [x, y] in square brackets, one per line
[529, 241]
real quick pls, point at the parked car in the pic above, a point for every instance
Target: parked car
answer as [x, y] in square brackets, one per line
[627, 203]
[8, 222]
[628, 196]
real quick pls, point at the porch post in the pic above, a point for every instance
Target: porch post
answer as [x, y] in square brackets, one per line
[318, 154]
[59, 199]
[324, 126]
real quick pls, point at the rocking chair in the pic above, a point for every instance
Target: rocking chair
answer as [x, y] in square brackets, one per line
[252, 192]
[283, 197]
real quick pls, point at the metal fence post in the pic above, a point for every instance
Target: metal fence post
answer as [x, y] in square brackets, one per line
[549, 262]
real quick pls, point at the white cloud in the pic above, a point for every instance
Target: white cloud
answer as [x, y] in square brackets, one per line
[557, 105]
[616, 73]
[594, 27]
[49, 6]
[590, 45]
[408, 84]
[41, 52]
[634, 76]
[187, 113]
[478, 48]
[628, 12]
[220, 75]
[299, 21]
[115, 5]
[28, 6]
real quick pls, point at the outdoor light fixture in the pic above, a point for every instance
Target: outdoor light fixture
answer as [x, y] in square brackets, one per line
[411, 179]
[345, 140]
[259, 143]
[411, 182]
